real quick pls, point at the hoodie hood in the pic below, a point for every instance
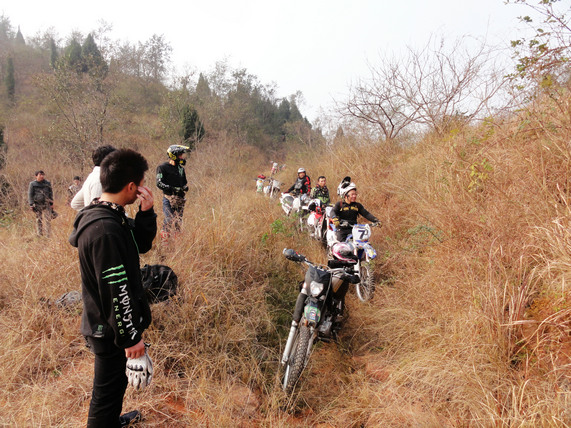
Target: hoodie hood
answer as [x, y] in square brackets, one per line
[89, 215]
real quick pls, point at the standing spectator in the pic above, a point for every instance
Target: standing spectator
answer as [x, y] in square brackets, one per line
[91, 189]
[115, 308]
[73, 189]
[171, 179]
[41, 200]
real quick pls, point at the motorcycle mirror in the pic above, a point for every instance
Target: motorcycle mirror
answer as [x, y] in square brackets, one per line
[292, 255]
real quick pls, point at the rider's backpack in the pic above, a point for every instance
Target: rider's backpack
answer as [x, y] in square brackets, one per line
[159, 281]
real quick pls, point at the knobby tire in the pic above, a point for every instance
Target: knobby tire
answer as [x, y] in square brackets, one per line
[365, 288]
[296, 361]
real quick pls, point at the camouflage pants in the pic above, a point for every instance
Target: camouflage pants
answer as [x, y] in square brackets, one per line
[44, 217]
[173, 208]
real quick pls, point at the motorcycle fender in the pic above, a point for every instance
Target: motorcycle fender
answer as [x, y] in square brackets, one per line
[370, 251]
[312, 312]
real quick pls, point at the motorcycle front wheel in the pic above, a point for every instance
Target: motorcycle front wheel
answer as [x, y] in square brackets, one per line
[366, 287]
[296, 361]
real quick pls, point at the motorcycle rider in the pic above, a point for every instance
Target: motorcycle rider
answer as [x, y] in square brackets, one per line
[320, 191]
[302, 184]
[345, 212]
[171, 179]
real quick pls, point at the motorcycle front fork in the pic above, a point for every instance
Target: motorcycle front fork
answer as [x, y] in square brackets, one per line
[289, 342]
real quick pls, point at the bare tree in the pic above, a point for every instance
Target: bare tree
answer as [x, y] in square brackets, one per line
[432, 88]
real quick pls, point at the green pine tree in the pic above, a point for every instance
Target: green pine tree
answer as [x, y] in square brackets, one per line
[20, 38]
[202, 88]
[10, 80]
[73, 58]
[54, 54]
[92, 60]
[192, 129]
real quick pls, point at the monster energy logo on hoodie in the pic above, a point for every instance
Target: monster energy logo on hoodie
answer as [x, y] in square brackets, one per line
[117, 277]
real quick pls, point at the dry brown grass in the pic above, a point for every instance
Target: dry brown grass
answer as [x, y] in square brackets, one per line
[470, 326]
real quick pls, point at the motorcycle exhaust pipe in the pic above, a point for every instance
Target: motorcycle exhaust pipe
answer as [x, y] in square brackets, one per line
[289, 342]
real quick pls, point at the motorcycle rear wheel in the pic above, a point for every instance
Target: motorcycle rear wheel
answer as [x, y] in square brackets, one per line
[366, 287]
[296, 361]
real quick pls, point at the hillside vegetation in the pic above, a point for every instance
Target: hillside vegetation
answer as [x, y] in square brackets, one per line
[470, 323]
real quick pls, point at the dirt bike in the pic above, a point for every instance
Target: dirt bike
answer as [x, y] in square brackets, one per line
[356, 252]
[320, 314]
[292, 202]
[317, 220]
[272, 189]
[260, 179]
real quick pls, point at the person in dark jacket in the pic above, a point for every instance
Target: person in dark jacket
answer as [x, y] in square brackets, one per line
[302, 185]
[171, 179]
[41, 201]
[320, 191]
[345, 212]
[115, 309]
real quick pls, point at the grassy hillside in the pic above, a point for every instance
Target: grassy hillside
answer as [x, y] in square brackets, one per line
[470, 326]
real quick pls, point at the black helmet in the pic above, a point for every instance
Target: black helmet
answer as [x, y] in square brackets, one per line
[175, 151]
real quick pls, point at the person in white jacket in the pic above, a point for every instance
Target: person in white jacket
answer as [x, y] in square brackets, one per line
[91, 188]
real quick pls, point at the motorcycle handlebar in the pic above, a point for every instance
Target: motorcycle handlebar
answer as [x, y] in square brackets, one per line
[293, 255]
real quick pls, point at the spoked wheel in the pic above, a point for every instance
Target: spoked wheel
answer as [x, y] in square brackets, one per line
[296, 361]
[365, 288]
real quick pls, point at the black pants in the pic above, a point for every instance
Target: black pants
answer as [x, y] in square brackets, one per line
[109, 384]
[343, 233]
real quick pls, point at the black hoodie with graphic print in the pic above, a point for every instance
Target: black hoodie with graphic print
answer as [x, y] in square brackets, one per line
[114, 303]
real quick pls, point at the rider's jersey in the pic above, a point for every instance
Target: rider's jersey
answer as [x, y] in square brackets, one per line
[349, 212]
[321, 193]
[171, 179]
[301, 186]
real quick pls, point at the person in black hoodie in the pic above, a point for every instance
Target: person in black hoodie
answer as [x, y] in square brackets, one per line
[115, 309]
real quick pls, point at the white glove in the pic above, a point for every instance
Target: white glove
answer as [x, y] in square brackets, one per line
[139, 371]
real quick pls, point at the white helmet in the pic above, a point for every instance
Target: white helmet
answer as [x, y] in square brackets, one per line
[347, 189]
[300, 170]
[344, 183]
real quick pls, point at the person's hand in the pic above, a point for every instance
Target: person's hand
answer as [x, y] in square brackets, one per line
[139, 371]
[136, 351]
[146, 197]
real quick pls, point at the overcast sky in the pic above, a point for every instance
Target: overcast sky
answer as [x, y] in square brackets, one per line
[314, 46]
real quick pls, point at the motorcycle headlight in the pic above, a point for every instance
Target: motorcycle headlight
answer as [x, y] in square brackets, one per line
[316, 288]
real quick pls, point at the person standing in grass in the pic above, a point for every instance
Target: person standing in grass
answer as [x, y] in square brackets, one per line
[171, 179]
[115, 308]
[91, 188]
[41, 201]
[73, 189]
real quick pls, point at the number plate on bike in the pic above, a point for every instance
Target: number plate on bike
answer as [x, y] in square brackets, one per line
[312, 313]
[361, 232]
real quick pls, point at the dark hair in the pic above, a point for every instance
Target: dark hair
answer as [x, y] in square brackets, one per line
[76, 177]
[100, 152]
[39, 171]
[320, 177]
[120, 168]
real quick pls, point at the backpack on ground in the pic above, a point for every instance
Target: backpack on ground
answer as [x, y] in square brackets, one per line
[159, 281]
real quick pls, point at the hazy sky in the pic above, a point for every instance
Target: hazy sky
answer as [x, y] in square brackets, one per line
[315, 46]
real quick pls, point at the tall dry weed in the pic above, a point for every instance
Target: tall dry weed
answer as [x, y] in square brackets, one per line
[469, 325]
